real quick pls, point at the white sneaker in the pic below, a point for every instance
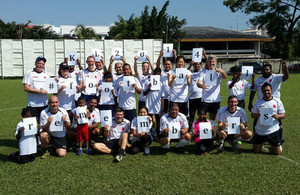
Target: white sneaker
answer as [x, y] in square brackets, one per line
[119, 157]
[147, 151]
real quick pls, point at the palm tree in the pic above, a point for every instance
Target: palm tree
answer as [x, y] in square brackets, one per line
[83, 32]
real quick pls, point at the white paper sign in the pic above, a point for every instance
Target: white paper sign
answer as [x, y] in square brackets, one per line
[57, 123]
[266, 118]
[233, 125]
[72, 58]
[143, 124]
[30, 126]
[174, 130]
[168, 50]
[90, 84]
[117, 53]
[71, 86]
[97, 53]
[106, 118]
[205, 130]
[81, 112]
[155, 82]
[211, 77]
[181, 76]
[127, 83]
[51, 85]
[142, 56]
[38, 84]
[247, 72]
[197, 54]
[106, 89]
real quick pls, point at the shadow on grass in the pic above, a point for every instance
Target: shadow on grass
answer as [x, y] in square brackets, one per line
[13, 143]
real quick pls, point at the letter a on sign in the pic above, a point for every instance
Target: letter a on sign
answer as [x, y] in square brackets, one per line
[181, 76]
[205, 130]
[143, 124]
[30, 126]
[174, 130]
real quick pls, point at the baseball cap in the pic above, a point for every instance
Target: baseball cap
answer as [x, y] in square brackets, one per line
[64, 65]
[40, 58]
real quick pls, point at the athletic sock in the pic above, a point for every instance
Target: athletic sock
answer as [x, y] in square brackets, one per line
[182, 143]
[213, 123]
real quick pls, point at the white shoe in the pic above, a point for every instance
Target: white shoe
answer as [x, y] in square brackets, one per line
[119, 157]
[147, 151]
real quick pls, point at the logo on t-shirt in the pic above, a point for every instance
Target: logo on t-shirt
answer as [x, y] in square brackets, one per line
[123, 128]
[270, 80]
[95, 77]
[274, 106]
[93, 116]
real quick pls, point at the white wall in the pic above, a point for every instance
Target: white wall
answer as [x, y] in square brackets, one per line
[18, 56]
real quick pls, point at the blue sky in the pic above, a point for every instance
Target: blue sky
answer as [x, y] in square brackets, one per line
[103, 13]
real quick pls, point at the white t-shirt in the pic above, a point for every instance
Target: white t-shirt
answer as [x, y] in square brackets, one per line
[115, 76]
[95, 117]
[165, 85]
[36, 80]
[142, 79]
[239, 88]
[101, 74]
[274, 80]
[153, 99]
[166, 119]
[117, 129]
[45, 114]
[66, 101]
[126, 98]
[211, 94]
[194, 91]
[179, 92]
[134, 126]
[278, 108]
[27, 144]
[224, 113]
[85, 73]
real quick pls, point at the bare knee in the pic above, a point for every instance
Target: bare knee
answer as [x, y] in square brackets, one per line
[163, 141]
[221, 134]
[61, 152]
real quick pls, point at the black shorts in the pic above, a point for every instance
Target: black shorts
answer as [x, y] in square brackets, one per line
[273, 139]
[211, 107]
[130, 114]
[36, 111]
[112, 144]
[241, 104]
[166, 105]
[59, 142]
[107, 107]
[27, 158]
[183, 108]
[141, 104]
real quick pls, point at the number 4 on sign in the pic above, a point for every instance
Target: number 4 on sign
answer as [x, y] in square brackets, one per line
[197, 54]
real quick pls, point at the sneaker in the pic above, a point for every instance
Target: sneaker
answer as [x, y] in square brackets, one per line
[45, 155]
[147, 151]
[282, 141]
[234, 144]
[119, 157]
[221, 145]
[79, 152]
[88, 151]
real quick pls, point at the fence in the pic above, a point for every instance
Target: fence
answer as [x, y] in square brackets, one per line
[18, 56]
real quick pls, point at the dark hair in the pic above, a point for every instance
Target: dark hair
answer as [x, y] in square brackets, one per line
[230, 97]
[266, 85]
[143, 107]
[145, 63]
[107, 75]
[179, 58]
[126, 64]
[267, 65]
[173, 104]
[202, 110]
[25, 111]
[119, 109]
[156, 70]
[92, 98]
[146, 139]
[81, 98]
[236, 69]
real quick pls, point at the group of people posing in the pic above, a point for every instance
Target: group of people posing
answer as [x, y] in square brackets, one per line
[170, 108]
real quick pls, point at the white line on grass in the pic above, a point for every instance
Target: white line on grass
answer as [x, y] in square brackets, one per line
[290, 160]
[10, 108]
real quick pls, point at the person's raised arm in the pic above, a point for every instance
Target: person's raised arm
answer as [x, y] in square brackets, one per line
[205, 57]
[79, 64]
[223, 73]
[159, 58]
[110, 64]
[174, 55]
[251, 97]
[135, 66]
[150, 63]
[285, 71]
[104, 66]
[191, 64]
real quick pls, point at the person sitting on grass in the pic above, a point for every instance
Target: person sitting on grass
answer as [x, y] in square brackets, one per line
[174, 116]
[263, 131]
[82, 131]
[54, 123]
[115, 136]
[27, 144]
[142, 140]
[202, 145]
[223, 116]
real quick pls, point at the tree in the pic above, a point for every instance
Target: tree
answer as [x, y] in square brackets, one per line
[279, 17]
[156, 25]
[83, 32]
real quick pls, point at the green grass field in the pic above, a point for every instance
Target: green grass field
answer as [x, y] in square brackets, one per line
[225, 173]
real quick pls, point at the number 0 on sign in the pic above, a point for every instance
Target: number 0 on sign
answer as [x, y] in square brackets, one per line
[142, 56]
